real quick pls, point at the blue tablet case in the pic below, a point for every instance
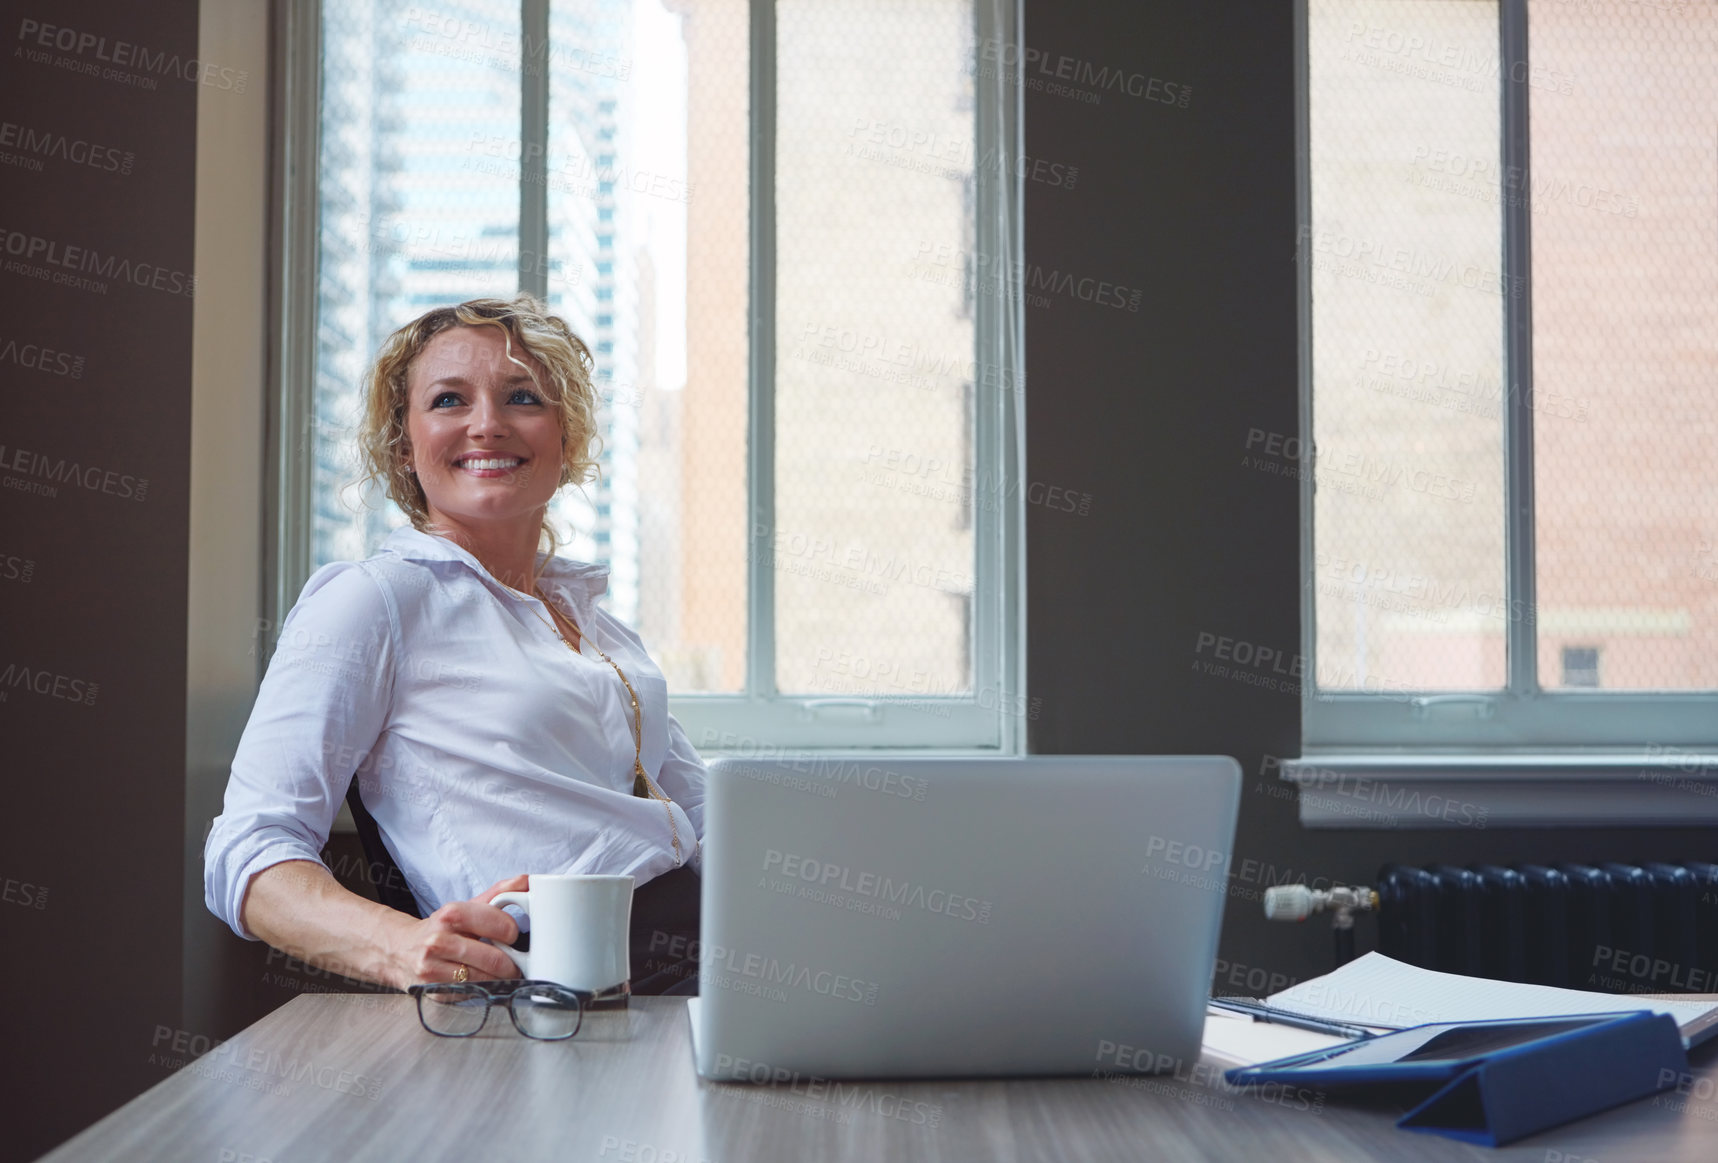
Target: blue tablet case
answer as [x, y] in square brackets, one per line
[1497, 1098]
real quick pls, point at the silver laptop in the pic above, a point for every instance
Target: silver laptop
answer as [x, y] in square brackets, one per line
[898, 918]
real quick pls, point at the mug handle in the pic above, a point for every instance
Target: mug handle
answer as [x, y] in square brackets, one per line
[520, 957]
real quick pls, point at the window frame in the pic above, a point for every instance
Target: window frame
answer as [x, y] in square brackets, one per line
[991, 719]
[1523, 730]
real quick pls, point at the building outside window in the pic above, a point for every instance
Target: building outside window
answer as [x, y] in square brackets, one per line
[1511, 279]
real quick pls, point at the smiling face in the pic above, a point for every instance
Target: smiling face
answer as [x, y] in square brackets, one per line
[483, 439]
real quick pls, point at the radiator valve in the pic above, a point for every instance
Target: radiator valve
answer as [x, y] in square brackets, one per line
[1297, 902]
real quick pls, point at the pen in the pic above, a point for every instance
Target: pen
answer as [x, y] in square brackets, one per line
[1260, 1012]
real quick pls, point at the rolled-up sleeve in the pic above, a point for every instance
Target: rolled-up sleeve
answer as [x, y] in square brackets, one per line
[322, 705]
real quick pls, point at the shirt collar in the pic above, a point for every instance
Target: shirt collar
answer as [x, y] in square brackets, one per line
[415, 545]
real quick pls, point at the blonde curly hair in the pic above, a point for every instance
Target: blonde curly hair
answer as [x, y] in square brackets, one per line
[522, 319]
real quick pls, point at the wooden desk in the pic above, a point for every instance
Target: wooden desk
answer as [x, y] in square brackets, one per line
[351, 1076]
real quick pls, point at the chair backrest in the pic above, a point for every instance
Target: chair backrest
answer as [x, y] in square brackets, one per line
[389, 883]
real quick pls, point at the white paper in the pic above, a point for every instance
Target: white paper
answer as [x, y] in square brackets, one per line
[1379, 990]
[1248, 1043]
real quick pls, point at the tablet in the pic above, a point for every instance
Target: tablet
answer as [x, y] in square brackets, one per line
[1440, 1050]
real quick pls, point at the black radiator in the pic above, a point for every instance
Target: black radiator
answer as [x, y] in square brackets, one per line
[1621, 928]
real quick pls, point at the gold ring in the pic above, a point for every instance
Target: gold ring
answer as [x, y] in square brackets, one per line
[461, 973]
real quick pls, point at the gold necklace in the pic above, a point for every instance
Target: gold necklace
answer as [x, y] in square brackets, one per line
[642, 785]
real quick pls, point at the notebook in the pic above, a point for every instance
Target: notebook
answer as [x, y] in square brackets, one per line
[1382, 993]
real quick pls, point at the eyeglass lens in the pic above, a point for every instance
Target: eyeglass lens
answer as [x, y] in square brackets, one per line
[455, 1011]
[546, 1011]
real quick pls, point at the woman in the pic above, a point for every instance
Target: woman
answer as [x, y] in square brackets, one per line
[498, 721]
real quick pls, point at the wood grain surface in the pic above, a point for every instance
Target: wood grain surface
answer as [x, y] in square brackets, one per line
[349, 1076]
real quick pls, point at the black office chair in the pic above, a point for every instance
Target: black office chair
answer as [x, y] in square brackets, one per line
[389, 882]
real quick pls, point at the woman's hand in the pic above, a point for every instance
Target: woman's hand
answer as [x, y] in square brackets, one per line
[433, 949]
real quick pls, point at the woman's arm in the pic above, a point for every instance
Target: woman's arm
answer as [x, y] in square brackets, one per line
[299, 908]
[323, 704]
[682, 777]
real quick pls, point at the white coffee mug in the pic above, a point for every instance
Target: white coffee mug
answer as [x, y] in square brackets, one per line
[580, 930]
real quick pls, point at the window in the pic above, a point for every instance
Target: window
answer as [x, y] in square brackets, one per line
[1510, 275]
[1580, 666]
[762, 219]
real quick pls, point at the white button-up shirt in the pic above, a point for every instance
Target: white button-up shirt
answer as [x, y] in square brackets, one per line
[483, 744]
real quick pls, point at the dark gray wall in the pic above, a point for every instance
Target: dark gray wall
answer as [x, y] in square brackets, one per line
[1148, 411]
[98, 169]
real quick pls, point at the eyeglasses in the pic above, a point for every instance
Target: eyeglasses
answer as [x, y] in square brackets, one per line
[539, 1009]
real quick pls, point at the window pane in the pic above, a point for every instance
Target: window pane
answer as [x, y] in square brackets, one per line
[873, 539]
[419, 185]
[1625, 343]
[648, 126]
[410, 218]
[1405, 245]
